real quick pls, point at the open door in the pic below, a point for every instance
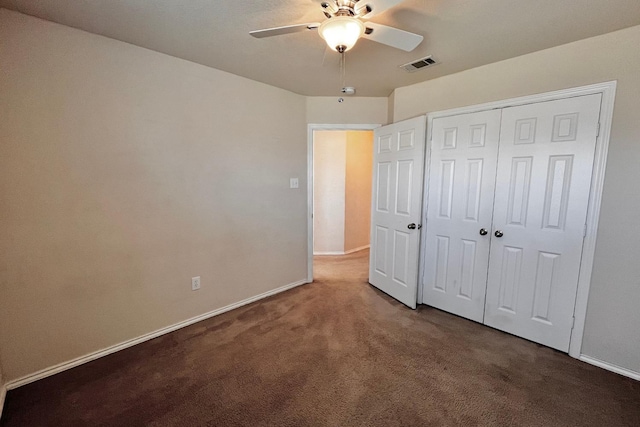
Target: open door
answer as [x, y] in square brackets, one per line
[398, 165]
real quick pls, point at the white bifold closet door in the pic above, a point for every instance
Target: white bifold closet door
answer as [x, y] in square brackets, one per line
[527, 186]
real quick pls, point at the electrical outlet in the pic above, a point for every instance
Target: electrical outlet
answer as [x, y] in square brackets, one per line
[195, 283]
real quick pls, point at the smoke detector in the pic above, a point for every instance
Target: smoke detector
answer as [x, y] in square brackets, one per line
[419, 64]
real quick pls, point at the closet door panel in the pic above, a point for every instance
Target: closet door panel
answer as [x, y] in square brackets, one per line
[541, 198]
[462, 167]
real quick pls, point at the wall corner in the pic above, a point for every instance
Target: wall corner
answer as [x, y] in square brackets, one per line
[391, 106]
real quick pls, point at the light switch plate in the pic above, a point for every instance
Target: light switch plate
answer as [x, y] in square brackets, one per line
[293, 183]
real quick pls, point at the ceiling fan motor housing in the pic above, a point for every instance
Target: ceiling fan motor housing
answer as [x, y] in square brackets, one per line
[345, 8]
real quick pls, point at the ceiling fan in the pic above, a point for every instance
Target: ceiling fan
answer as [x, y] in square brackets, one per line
[345, 25]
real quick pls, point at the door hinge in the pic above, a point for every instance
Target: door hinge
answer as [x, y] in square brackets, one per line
[598, 130]
[584, 231]
[573, 322]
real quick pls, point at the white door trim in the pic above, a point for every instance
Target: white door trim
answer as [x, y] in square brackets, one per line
[608, 91]
[311, 127]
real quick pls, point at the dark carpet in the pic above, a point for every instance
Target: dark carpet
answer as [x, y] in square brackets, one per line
[333, 353]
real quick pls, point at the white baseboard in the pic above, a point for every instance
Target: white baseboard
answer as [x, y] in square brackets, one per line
[3, 394]
[337, 253]
[47, 372]
[361, 248]
[611, 367]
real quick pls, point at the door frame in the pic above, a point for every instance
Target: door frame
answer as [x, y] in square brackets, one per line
[608, 91]
[311, 127]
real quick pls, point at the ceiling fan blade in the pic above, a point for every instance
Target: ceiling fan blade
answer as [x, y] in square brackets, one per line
[393, 37]
[377, 6]
[277, 31]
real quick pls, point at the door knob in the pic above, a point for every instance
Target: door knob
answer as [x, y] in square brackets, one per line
[483, 231]
[411, 226]
[498, 233]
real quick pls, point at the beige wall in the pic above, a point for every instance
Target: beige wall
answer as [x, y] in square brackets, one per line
[391, 107]
[359, 166]
[329, 173]
[354, 110]
[125, 172]
[613, 317]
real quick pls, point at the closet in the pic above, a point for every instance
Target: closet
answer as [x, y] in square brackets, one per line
[506, 208]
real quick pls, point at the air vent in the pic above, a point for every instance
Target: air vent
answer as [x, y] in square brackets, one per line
[425, 62]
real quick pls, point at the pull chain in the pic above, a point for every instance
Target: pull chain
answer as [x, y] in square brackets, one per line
[343, 67]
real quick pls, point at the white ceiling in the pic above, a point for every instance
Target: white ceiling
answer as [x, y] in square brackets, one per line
[460, 34]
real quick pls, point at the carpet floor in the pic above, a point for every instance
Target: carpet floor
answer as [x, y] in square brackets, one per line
[336, 352]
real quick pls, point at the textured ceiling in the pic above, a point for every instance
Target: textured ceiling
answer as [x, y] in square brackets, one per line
[460, 34]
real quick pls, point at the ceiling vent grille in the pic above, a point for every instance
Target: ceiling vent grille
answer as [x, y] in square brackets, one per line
[420, 64]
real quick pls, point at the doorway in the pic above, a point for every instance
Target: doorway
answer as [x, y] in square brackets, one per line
[339, 191]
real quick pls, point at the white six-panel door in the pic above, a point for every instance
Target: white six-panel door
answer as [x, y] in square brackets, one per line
[542, 193]
[464, 153]
[396, 208]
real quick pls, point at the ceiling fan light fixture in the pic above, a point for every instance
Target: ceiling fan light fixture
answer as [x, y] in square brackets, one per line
[341, 32]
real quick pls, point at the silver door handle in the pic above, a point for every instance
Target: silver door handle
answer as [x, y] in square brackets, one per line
[483, 232]
[498, 233]
[411, 226]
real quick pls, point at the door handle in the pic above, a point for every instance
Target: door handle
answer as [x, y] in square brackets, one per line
[498, 233]
[483, 232]
[413, 226]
